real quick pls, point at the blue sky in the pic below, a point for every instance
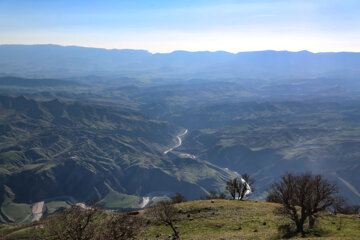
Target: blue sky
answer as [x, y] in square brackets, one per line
[165, 26]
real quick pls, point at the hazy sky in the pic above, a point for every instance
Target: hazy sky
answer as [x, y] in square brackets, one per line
[164, 26]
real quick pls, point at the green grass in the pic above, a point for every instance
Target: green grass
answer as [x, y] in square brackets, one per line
[55, 205]
[229, 219]
[17, 212]
[118, 200]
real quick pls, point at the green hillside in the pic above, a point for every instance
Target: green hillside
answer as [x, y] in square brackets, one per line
[76, 152]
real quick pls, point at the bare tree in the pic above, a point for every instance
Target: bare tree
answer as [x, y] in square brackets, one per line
[178, 198]
[342, 206]
[118, 227]
[165, 212]
[89, 223]
[231, 187]
[74, 223]
[244, 187]
[239, 186]
[302, 196]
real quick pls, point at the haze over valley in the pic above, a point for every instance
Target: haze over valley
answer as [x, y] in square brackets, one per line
[125, 127]
[179, 119]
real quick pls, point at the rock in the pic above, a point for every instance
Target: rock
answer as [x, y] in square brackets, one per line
[133, 213]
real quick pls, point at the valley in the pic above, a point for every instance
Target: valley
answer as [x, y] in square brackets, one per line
[129, 140]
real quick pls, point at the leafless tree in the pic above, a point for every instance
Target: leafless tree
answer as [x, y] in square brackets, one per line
[118, 226]
[341, 205]
[245, 185]
[74, 223]
[178, 198]
[165, 212]
[239, 186]
[89, 223]
[302, 197]
[231, 187]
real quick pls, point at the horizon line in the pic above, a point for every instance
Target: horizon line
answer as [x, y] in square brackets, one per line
[178, 50]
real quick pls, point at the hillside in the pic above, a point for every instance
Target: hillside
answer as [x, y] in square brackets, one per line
[266, 139]
[69, 152]
[229, 219]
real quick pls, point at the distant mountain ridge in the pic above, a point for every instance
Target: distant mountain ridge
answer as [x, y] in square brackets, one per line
[25, 82]
[58, 61]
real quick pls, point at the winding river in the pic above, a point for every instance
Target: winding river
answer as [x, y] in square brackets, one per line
[179, 141]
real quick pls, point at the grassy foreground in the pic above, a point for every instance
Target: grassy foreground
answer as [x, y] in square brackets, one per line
[231, 219]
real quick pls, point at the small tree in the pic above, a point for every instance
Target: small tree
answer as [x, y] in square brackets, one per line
[118, 227]
[244, 187]
[302, 197]
[165, 212]
[239, 186]
[178, 198]
[231, 187]
[74, 223]
[341, 205]
[90, 223]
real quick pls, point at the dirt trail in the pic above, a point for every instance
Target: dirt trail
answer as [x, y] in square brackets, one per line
[145, 201]
[38, 210]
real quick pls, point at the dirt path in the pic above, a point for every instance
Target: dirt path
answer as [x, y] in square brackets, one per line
[38, 210]
[144, 202]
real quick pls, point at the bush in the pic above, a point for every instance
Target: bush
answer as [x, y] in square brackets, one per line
[178, 198]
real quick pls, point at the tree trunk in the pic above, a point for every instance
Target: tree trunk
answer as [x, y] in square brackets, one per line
[311, 221]
[300, 227]
[175, 232]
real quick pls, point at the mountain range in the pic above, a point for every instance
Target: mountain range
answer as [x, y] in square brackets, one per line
[58, 61]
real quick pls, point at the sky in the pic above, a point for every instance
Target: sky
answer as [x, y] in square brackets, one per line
[197, 25]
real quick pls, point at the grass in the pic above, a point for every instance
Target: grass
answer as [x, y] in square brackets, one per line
[118, 200]
[55, 205]
[228, 219]
[16, 212]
